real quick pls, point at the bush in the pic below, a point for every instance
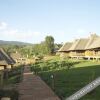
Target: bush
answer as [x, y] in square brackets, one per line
[51, 65]
[13, 94]
[15, 71]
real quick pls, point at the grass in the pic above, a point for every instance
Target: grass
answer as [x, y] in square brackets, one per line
[66, 82]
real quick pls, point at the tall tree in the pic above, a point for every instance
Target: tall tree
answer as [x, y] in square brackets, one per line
[49, 41]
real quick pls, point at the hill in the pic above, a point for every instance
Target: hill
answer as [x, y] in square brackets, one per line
[2, 42]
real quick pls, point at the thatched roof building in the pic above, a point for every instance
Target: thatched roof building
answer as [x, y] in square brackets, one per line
[95, 44]
[91, 40]
[65, 47]
[79, 44]
[5, 59]
[18, 58]
[84, 47]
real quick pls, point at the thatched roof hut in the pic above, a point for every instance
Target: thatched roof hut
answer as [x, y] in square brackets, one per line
[95, 44]
[5, 59]
[84, 47]
[65, 47]
[18, 58]
[79, 44]
[91, 40]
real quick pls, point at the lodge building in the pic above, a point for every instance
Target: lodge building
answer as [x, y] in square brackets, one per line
[88, 48]
[5, 60]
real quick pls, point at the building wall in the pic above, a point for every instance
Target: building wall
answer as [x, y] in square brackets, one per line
[9, 66]
[97, 53]
[1, 67]
[89, 53]
[64, 54]
[77, 53]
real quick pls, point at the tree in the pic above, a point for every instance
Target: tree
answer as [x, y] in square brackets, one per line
[49, 41]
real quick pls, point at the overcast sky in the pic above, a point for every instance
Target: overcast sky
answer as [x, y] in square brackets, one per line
[32, 20]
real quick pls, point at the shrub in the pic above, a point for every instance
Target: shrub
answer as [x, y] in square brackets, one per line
[13, 94]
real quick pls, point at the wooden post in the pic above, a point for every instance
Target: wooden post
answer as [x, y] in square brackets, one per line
[5, 72]
[12, 66]
[1, 78]
[88, 58]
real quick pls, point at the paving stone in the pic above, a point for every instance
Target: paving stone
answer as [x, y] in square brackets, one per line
[33, 87]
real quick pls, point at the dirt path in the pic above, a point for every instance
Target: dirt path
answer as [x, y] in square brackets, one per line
[33, 88]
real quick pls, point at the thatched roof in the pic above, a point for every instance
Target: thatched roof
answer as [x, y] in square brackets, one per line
[95, 44]
[65, 47]
[82, 44]
[5, 59]
[91, 40]
[79, 44]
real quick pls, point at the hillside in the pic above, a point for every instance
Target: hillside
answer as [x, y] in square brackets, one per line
[2, 42]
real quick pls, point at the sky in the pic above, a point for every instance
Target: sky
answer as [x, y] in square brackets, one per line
[32, 20]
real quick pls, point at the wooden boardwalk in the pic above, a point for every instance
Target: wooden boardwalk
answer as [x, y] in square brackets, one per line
[33, 88]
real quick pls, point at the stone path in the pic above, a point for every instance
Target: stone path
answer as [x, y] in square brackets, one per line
[33, 88]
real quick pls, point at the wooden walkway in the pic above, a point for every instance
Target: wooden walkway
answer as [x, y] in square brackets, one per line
[33, 88]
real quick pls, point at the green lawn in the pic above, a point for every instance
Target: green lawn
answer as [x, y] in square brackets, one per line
[66, 82]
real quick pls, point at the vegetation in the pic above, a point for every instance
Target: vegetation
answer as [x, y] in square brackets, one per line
[13, 94]
[49, 41]
[64, 76]
[7, 89]
[47, 47]
[65, 82]
[13, 76]
[42, 66]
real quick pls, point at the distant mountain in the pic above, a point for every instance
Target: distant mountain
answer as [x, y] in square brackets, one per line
[2, 42]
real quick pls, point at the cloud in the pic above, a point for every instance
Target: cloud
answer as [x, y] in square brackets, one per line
[3, 25]
[25, 36]
[81, 31]
[11, 34]
[16, 35]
